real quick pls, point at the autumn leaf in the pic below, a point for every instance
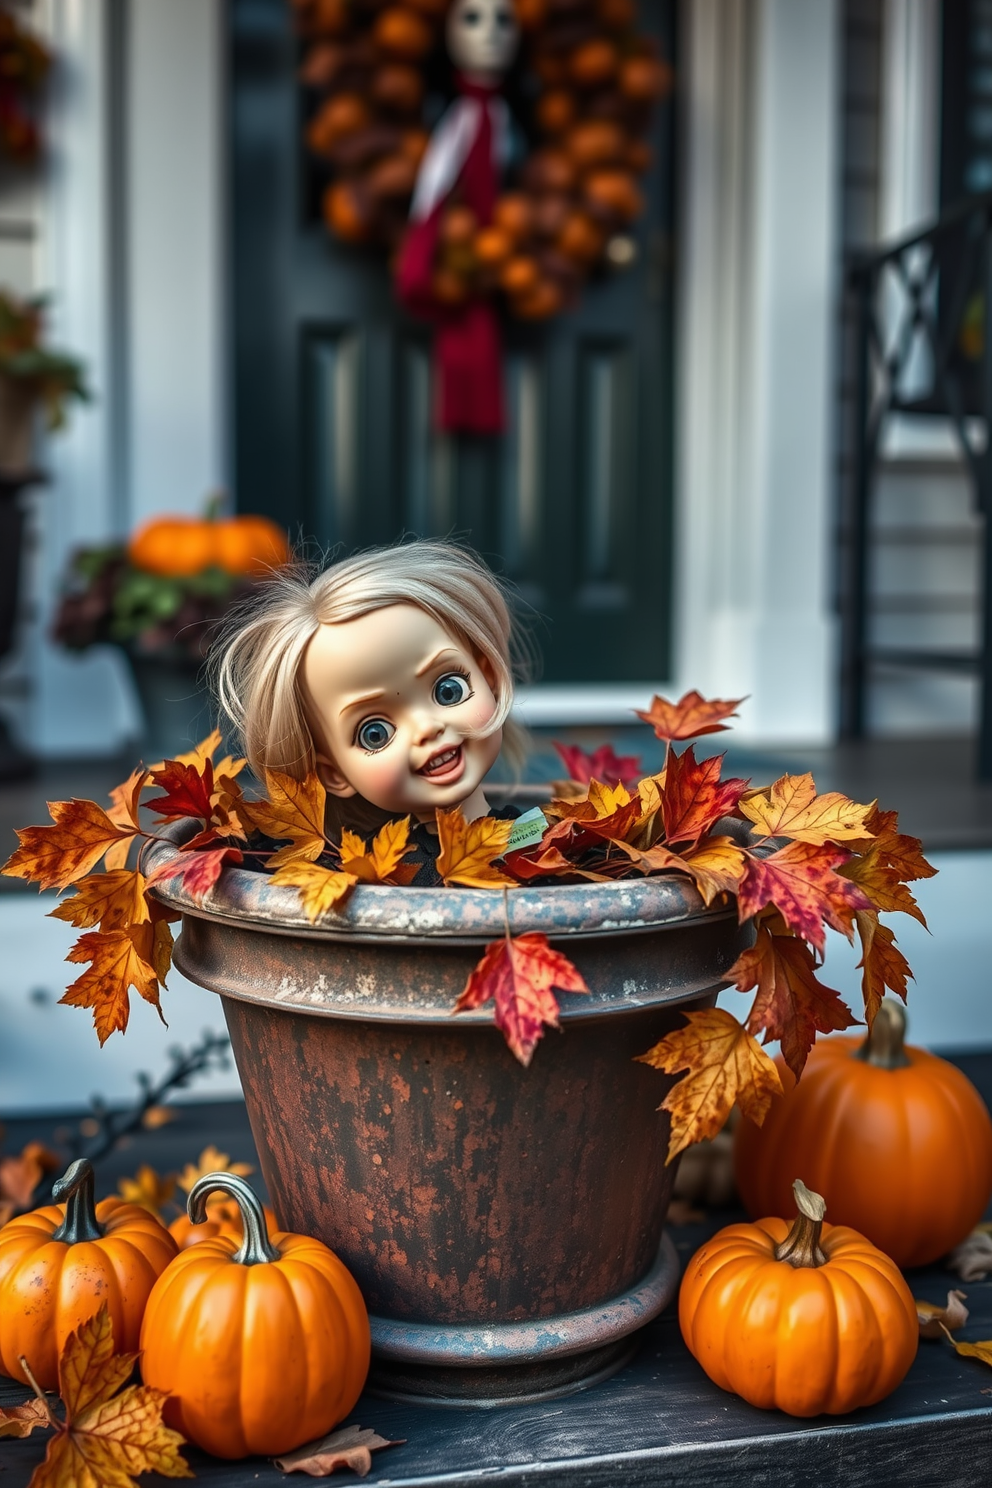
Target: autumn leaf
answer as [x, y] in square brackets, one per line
[602, 764]
[725, 1065]
[801, 881]
[320, 888]
[467, 849]
[148, 1189]
[21, 1420]
[886, 863]
[187, 791]
[349, 1446]
[112, 900]
[294, 809]
[117, 964]
[695, 797]
[519, 974]
[792, 808]
[716, 866]
[384, 864]
[20, 1176]
[105, 1437]
[606, 813]
[882, 964]
[689, 718]
[124, 812]
[981, 1350]
[935, 1320]
[204, 751]
[211, 1160]
[791, 1005]
[56, 856]
[197, 871]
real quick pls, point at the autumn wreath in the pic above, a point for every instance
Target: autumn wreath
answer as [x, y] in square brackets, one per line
[796, 862]
[583, 88]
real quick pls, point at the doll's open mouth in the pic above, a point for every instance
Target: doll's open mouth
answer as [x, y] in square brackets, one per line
[443, 764]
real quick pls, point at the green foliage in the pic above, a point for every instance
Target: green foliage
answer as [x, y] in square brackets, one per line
[55, 376]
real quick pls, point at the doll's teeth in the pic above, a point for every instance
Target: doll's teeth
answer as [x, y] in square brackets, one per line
[439, 761]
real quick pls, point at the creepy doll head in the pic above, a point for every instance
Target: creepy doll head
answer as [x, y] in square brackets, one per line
[388, 674]
[482, 37]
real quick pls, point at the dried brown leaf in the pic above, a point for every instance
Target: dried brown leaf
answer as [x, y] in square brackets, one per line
[349, 1446]
[935, 1320]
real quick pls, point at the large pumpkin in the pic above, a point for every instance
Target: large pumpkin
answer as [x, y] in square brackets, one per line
[261, 1347]
[898, 1142]
[177, 547]
[809, 1320]
[59, 1263]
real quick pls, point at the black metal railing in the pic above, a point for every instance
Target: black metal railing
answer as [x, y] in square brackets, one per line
[920, 347]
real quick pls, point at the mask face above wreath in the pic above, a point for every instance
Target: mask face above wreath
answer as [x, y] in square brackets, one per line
[482, 37]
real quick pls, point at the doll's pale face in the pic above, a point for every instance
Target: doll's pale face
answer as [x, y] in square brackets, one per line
[391, 695]
[482, 37]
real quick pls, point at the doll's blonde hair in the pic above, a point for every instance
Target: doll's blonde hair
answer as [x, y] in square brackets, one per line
[257, 664]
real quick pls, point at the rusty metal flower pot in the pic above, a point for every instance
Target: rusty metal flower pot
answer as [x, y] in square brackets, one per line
[504, 1224]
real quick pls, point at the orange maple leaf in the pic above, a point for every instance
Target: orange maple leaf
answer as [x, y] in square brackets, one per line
[689, 718]
[604, 813]
[694, 796]
[724, 1063]
[792, 808]
[124, 812]
[320, 888]
[801, 881]
[105, 1437]
[791, 1005]
[56, 856]
[467, 849]
[384, 864]
[884, 863]
[119, 960]
[111, 900]
[211, 1160]
[20, 1176]
[519, 974]
[294, 809]
[716, 865]
[897, 850]
[197, 870]
[882, 964]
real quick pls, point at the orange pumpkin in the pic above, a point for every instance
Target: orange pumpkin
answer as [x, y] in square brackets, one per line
[555, 110]
[340, 116]
[596, 142]
[176, 547]
[260, 1348]
[59, 1263]
[403, 34]
[810, 1320]
[594, 63]
[898, 1141]
[346, 211]
[492, 247]
[513, 213]
[399, 87]
[223, 1217]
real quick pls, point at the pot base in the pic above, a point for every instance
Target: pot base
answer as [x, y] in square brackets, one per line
[516, 1363]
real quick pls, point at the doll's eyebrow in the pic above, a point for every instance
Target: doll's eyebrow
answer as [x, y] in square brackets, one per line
[358, 702]
[432, 660]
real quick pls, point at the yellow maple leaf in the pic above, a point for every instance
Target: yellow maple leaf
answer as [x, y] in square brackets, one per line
[724, 1064]
[792, 808]
[111, 900]
[148, 1189]
[468, 849]
[981, 1349]
[384, 863]
[293, 809]
[106, 1436]
[211, 1161]
[320, 888]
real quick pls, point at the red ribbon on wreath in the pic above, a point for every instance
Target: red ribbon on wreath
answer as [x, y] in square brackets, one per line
[465, 155]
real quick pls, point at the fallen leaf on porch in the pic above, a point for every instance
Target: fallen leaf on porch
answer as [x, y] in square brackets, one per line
[689, 718]
[294, 809]
[105, 1437]
[469, 848]
[602, 764]
[118, 962]
[56, 856]
[211, 1161]
[20, 1176]
[801, 881]
[792, 808]
[882, 964]
[791, 1005]
[972, 1259]
[384, 862]
[694, 797]
[981, 1350]
[724, 1064]
[320, 888]
[148, 1188]
[21, 1420]
[519, 974]
[935, 1320]
[350, 1446]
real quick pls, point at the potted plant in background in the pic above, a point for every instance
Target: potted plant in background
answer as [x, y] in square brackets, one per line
[158, 597]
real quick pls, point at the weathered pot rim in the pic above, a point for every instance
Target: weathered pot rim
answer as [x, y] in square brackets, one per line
[384, 913]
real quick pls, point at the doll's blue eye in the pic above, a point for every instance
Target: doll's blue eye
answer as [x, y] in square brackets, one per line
[374, 733]
[450, 689]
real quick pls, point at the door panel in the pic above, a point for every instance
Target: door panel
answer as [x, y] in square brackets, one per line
[332, 394]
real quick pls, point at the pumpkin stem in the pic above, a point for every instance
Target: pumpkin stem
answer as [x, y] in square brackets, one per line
[884, 1046]
[801, 1246]
[256, 1248]
[80, 1222]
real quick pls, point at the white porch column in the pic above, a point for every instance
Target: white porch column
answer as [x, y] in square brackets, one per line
[758, 260]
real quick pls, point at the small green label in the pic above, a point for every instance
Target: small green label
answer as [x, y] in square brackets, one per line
[527, 830]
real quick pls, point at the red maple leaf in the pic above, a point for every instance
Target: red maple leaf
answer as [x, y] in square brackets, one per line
[689, 718]
[519, 974]
[197, 871]
[694, 797]
[791, 1005]
[799, 879]
[187, 791]
[602, 764]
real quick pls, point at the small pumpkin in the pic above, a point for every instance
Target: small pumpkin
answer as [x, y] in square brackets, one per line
[59, 1263]
[261, 1346]
[811, 1320]
[898, 1141]
[223, 1217]
[176, 547]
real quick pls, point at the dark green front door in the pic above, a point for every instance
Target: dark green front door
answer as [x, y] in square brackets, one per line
[332, 395]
